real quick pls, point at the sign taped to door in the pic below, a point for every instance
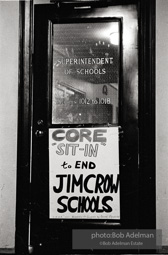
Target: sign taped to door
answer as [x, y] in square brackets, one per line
[84, 173]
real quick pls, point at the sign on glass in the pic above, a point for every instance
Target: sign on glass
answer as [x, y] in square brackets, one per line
[82, 185]
[85, 76]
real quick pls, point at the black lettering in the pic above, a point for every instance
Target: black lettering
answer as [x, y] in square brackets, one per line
[106, 207]
[99, 182]
[64, 209]
[84, 165]
[86, 183]
[76, 183]
[97, 205]
[58, 190]
[108, 180]
[114, 187]
[68, 183]
[70, 208]
[77, 164]
[87, 204]
[81, 205]
[92, 165]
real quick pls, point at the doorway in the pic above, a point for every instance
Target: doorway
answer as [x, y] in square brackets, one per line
[90, 102]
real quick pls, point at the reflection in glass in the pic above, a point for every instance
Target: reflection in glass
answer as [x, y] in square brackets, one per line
[85, 75]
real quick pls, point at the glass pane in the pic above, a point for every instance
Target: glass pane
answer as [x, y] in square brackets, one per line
[85, 80]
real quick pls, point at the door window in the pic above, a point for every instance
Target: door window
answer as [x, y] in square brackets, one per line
[85, 72]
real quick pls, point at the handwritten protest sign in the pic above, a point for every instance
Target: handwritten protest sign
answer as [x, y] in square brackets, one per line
[84, 173]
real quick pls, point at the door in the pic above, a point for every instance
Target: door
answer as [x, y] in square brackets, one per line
[85, 166]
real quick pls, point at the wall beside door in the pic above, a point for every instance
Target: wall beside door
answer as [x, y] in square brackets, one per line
[9, 28]
[162, 117]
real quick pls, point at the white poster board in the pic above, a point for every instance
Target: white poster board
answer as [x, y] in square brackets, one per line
[84, 173]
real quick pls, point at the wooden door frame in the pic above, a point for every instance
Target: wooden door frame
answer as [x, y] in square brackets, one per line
[23, 189]
[147, 186]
